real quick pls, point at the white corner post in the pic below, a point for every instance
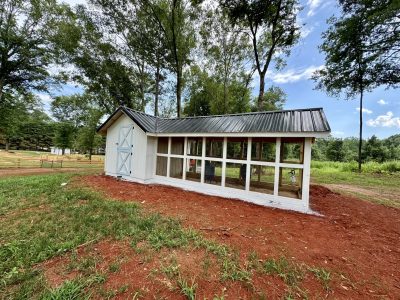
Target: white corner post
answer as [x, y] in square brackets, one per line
[224, 150]
[277, 161]
[203, 161]
[184, 158]
[306, 173]
[248, 167]
[155, 160]
[168, 157]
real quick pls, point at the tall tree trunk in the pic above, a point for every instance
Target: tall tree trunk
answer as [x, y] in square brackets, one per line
[261, 92]
[62, 151]
[178, 91]
[142, 88]
[225, 94]
[1, 89]
[90, 154]
[361, 126]
[157, 89]
[7, 145]
[177, 59]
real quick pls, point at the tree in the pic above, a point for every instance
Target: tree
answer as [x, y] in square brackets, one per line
[14, 109]
[78, 117]
[201, 89]
[31, 39]
[176, 21]
[64, 135]
[274, 99]
[226, 49]
[36, 131]
[141, 42]
[69, 111]
[375, 150]
[100, 65]
[358, 58]
[87, 138]
[393, 145]
[206, 95]
[70, 108]
[334, 151]
[273, 29]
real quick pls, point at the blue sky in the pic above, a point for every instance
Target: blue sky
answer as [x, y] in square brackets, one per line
[381, 106]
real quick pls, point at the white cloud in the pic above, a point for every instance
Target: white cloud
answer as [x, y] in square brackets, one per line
[313, 5]
[305, 31]
[365, 110]
[293, 75]
[382, 102]
[387, 120]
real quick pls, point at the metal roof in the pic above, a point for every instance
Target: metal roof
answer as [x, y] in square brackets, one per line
[294, 121]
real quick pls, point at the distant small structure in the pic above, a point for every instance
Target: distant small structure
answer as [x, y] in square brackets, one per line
[58, 151]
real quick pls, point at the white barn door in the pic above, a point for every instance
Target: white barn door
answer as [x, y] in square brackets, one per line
[124, 150]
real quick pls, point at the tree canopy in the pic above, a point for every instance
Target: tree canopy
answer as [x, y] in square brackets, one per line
[361, 51]
[33, 35]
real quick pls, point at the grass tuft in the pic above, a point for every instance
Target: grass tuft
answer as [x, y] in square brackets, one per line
[290, 272]
[70, 290]
[188, 290]
[323, 275]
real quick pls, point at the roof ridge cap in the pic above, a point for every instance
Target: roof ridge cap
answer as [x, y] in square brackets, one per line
[244, 114]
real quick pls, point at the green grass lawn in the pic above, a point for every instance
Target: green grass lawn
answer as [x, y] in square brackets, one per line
[375, 183]
[40, 219]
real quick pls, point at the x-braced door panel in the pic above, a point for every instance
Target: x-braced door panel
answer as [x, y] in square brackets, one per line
[124, 150]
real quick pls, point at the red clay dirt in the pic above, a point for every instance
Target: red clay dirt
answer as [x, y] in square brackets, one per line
[359, 242]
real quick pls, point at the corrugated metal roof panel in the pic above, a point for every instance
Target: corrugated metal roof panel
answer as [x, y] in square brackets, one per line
[297, 120]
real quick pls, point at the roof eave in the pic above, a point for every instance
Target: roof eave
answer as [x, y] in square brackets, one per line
[102, 129]
[320, 134]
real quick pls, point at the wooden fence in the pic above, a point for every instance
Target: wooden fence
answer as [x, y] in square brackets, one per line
[48, 162]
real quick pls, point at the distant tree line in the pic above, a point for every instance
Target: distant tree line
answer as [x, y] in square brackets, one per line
[24, 125]
[174, 57]
[346, 150]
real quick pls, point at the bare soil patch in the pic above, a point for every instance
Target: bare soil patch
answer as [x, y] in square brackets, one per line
[383, 194]
[357, 240]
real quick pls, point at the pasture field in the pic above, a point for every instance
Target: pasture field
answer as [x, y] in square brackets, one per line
[39, 159]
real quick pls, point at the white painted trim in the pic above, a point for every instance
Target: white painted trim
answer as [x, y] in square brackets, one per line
[235, 161]
[277, 160]
[155, 160]
[193, 156]
[232, 193]
[224, 154]
[184, 158]
[305, 189]
[249, 134]
[168, 158]
[247, 184]
[292, 166]
[203, 162]
[263, 163]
